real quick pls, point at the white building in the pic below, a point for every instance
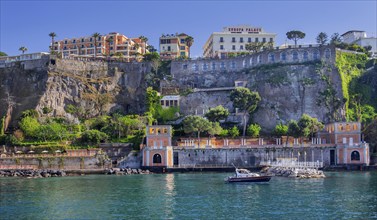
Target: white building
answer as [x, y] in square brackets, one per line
[234, 39]
[360, 38]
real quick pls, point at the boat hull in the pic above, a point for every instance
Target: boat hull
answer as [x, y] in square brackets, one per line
[257, 179]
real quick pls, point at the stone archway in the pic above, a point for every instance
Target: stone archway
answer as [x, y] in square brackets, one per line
[355, 155]
[157, 158]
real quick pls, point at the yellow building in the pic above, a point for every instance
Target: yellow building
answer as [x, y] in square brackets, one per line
[173, 46]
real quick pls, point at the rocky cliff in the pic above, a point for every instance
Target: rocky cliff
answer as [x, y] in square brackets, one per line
[93, 87]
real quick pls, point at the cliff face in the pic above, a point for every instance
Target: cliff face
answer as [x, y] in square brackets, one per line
[92, 87]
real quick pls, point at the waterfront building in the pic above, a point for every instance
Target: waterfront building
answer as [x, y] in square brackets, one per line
[360, 38]
[233, 39]
[173, 46]
[158, 151]
[107, 45]
[346, 136]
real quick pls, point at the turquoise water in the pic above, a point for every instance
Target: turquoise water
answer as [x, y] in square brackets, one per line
[348, 195]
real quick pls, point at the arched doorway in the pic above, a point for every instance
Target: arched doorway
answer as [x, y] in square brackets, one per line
[157, 158]
[355, 155]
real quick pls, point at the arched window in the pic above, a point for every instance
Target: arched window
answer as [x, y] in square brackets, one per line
[251, 61]
[258, 59]
[233, 65]
[327, 53]
[316, 55]
[295, 56]
[195, 67]
[244, 63]
[271, 57]
[222, 65]
[157, 158]
[205, 67]
[283, 56]
[355, 155]
[213, 66]
[306, 56]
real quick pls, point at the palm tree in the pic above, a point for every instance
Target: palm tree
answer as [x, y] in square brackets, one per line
[144, 40]
[52, 35]
[189, 41]
[23, 49]
[95, 36]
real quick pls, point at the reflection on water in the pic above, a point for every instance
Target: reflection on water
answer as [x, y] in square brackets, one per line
[170, 193]
[348, 195]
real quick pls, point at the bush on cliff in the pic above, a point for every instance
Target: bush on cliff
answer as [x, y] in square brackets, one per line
[93, 137]
[253, 130]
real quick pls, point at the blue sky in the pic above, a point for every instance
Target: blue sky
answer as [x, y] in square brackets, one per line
[27, 23]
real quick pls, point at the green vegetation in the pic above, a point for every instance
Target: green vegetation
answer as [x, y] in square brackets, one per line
[196, 124]
[245, 100]
[2, 54]
[321, 38]
[216, 114]
[234, 132]
[295, 35]
[253, 130]
[280, 130]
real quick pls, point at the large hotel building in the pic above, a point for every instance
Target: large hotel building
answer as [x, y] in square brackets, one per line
[234, 39]
[173, 46]
[107, 45]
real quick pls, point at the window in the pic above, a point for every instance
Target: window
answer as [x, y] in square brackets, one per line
[82, 40]
[82, 46]
[169, 48]
[157, 158]
[249, 40]
[233, 39]
[111, 48]
[295, 55]
[221, 39]
[233, 65]
[99, 38]
[315, 55]
[241, 47]
[99, 51]
[91, 45]
[221, 47]
[64, 48]
[355, 155]
[65, 42]
[222, 65]
[271, 57]
[91, 39]
[183, 54]
[205, 66]
[264, 40]
[182, 41]
[306, 56]
[184, 66]
[283, 56]
[233, 47]
[327, 53]
[213, 66]
[195, 67]
[182, 47]
[74, 41]
[241, 39]
[256, 39]
[271, 40]
[99, 44]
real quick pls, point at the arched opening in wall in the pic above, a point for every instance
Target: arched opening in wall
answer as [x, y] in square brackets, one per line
[244, 63]
[271, 57]
[233, 65]
[295, 56]
[195, 67]
[305, 56]
[258, 59]
[222, 65]
[315, 55]
[355, 156]
[283, 56]
[251, 61]
[327, 53]
[213, 66]
[205, 67]
[157, 158]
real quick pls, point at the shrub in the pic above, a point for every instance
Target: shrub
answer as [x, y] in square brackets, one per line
[93, 136]
[253, 130]
[234, 132]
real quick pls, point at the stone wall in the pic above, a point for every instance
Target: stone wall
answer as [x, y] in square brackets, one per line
[248, 157]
